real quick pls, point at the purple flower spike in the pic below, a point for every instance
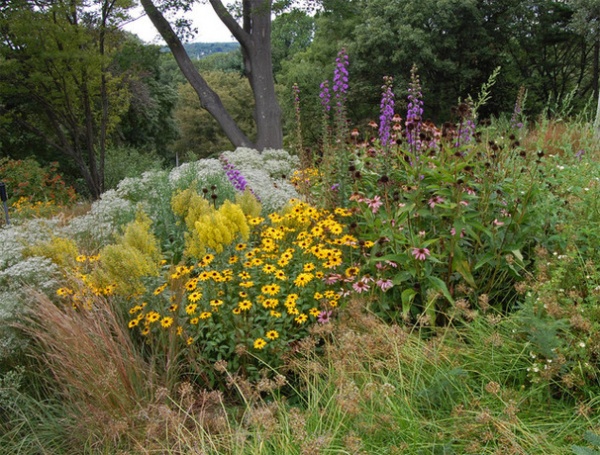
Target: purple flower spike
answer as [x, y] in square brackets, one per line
[386, 111]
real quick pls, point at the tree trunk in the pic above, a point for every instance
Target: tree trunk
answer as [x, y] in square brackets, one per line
[208, 98]
[259, 68]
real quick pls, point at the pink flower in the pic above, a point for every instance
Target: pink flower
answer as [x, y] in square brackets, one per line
[464, 203]
[333, 278]
[384, 285]
[391, 264]
[420, 253]
[435, 200]
[498, 223]
[361, 287]
[323, 317]
[374, 204]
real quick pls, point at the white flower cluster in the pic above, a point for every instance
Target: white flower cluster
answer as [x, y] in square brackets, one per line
[14, 238]
[266, 174]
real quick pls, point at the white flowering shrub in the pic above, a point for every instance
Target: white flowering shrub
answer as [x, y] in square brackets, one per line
[184, 176]
[98, 227]
[266, 174]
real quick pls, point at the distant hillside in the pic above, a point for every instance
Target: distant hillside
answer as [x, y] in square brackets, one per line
[196, 51]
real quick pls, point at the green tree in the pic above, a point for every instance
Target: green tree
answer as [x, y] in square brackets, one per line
[200, 135]
[254, 36]
[55, 81]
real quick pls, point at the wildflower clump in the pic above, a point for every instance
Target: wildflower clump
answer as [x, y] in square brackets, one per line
[245, 301]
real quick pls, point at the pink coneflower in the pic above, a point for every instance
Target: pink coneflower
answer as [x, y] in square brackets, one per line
[332, 278]
[420, 253]
[374, 204]
[435, 200]
[384, 285]
[323, 317]
[361, 286]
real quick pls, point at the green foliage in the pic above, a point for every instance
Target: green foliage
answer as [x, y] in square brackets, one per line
[27, 180]
[593, 439]
[123, 162]
[200, 135]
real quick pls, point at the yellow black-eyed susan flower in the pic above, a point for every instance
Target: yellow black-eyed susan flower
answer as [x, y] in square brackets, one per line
[195, 296]
[152, 316]
[245, 305]
[259, 343]
[301, 319]
[166, 322]
[191, 308]
[205, 315]
[272, 335]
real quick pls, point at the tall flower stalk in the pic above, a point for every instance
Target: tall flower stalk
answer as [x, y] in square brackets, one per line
[325, 97]
[414, 114]
[297, 111]
[340, 90]
[386, 110]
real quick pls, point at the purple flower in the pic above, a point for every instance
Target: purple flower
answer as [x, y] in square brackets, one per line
[420, 254]
[325, 96]
[340, 79]
[414, 114]
[386, 110]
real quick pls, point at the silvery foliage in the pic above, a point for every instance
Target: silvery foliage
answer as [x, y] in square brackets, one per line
[11, 307]
[266, 174]
[198, 172]
[14, 238]
[10, 384]
[103, 220]
[38, 272]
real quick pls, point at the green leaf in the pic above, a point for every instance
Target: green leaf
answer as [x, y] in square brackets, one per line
[408, 295]
[486, 259]
[462, 266]
[438, 284]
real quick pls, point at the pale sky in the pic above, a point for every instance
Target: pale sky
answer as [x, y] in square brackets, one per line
[210, 28]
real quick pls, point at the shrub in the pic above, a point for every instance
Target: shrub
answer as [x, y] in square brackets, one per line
[28, 183]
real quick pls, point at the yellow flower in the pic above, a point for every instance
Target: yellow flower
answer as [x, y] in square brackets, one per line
[247, 284]
[280, 275]
[166, 322]
[233, 259]
[272, 335]
[352, 271]
[189, 341]
[179, 330]
[191, 284]
[152, 316]
[133, 323]
[342, 211]
[303, 279]
[314, 312]
[259, 343]
[81, 258]
[269, 268]
[173, 307]
[309, 267]
[63, 291]
[195, 296]
[301, 319]
[255, 221]
[368, 244]
[216, 302]
[159, 289]
[240, 246]
[205, 315]
[191, 308]
[194, 321]
[270, 303]
[271, 289]
[245, 305]
[275, 314]
[236, 310]
[145, 331]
